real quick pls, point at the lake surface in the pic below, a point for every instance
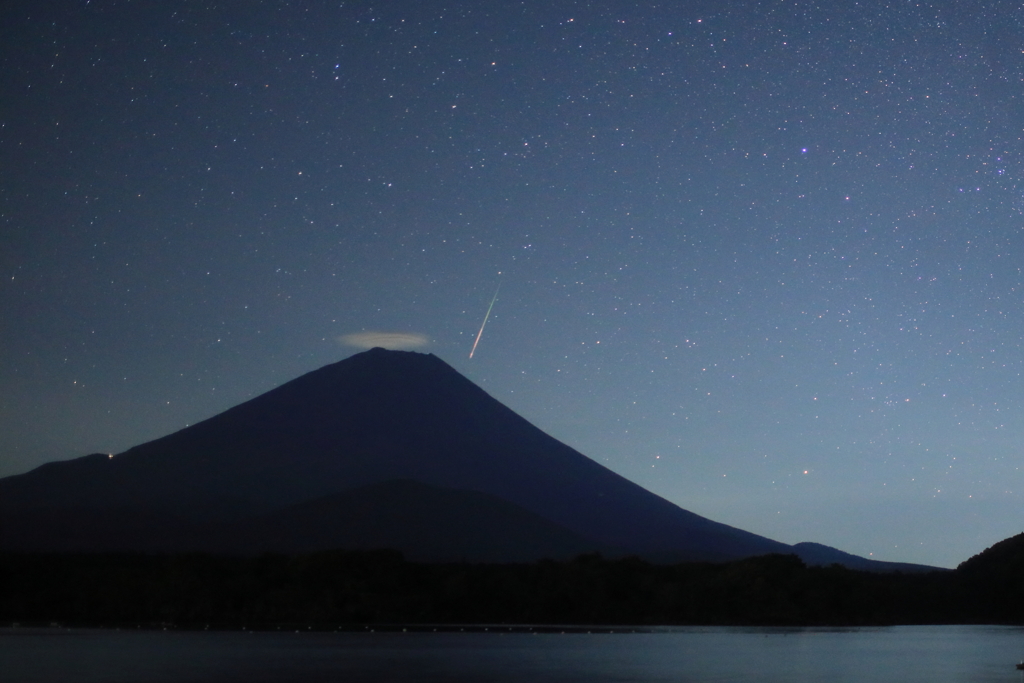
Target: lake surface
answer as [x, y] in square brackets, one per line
[978, 654]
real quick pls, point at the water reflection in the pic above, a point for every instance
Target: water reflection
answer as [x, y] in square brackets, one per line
[935, 654]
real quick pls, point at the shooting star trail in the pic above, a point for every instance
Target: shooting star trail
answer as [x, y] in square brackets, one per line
[478, 334]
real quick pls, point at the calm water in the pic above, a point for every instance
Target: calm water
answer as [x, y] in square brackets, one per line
[907, 654]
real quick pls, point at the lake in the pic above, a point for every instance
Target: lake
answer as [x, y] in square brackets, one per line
[976, 654]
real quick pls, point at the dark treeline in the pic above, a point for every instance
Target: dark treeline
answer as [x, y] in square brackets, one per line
[343, 588]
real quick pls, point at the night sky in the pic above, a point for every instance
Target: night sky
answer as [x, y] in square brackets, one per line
[762, 258]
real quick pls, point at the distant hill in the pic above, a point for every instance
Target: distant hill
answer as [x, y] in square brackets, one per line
[383, 449]
[994, 579]
[1005, 557]
[816, 554]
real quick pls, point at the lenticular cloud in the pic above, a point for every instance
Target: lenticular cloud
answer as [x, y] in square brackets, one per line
[385, 340]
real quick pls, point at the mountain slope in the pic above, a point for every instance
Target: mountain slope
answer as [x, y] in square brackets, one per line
[427, 523]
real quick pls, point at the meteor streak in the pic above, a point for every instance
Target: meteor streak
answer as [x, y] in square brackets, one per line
[488, 315]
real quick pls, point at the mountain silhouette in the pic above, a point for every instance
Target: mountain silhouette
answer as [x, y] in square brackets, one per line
[382, 449]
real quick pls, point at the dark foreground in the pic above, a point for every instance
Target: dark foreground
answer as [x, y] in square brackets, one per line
[355, 589]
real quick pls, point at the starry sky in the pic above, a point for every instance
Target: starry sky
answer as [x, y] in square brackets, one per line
[762, 258]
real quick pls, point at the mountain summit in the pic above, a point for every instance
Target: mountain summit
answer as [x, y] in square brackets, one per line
[382, 449]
